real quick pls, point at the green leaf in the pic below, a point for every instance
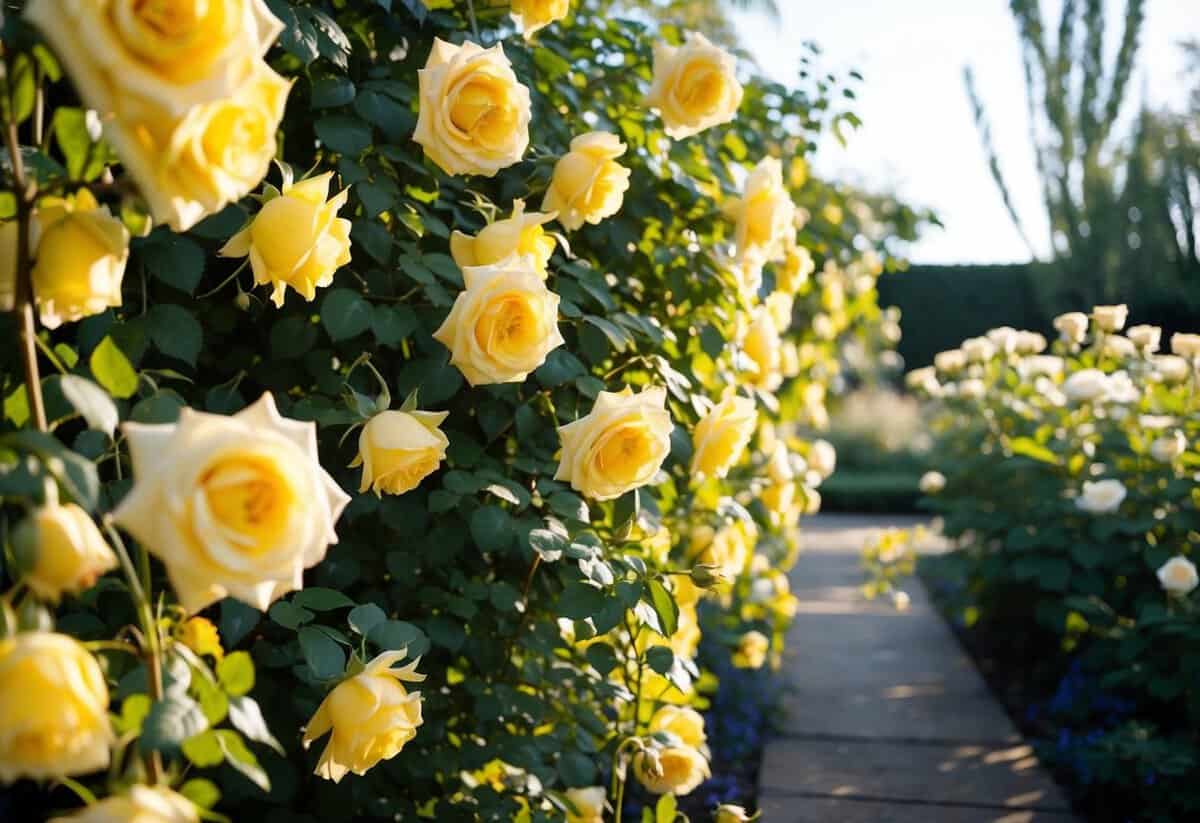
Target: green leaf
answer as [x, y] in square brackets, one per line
[238, 755]
[366, 617]
[202, 792]
[345, 314]
[321, 600]
[664, 606]
[548, 544]
[660, 658]
[204, 750]
[602, 657]
[247, 718]
[235, 673]
[393, 635]
[331, 91]
[324, 655]
[76, 475]
[93, 403]
[171, 721]
[344, 134]
[84, 158]
[175, 331]
[1029, 447]
[237, 620]
[112, 369]
[289, 616]
[491, 528]
[174, 259]
[666, 809]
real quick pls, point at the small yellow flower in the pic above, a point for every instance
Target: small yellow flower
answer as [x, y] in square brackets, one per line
[677, 770]
[685, 723]
[751, 650]
[532, 15]
[202, 637]
[64, 549]
[721, 436]
[398, 449]
[521, 234]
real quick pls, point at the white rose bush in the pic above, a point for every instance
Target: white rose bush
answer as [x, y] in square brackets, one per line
[400, 419]
[1067, 474]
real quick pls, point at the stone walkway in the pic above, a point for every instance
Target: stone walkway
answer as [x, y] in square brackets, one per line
[886, 719]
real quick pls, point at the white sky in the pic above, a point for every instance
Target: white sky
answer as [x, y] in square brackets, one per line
[918, 137]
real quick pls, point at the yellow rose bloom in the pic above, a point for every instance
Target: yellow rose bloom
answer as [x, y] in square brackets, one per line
[521, 234]
[503, 324]
[796, 268]
[201, 636]
[532, 15]
[296, 240]
[370, 717]
[751, 651]
[764, 214]
[398, 449]
[729, 548]
[191, 165]
[588, 183]
[729, 813]
[142, 804]
[64, 548]
[763, 345]
[677, 770]
[234, 506]
[53, 708]
[779, 305]
[81, 255]
[588, 803]
[722, 435]
[779, 499]
[695, 86]
[685, 723]
[474, 116]
[617, 447]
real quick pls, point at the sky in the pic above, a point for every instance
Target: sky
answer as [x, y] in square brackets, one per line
[919, 139]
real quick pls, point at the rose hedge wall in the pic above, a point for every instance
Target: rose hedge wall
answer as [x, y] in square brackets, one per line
[549, 591]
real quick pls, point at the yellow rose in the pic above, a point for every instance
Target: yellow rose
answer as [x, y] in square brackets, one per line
[143, 804]
[201, 636]
[399, 449]
[532, 15]
[53, 708]
[779, 304]
[296, 240]
[235, 506]
[722, 435]
[729, 548]
[619, 446]
[81, 254]
[695, 86]
[503, 324]
[474, 116]
[522, 234]
[191, 165]
[797, 267]
[371, 717]
[751, 650]
[764, 213]
[588, 803]
[9, 232]
[779, 499]
[588, 183]
[729, 813]
[763, 345]
[64, 550]
[681, 721]
[677, 770]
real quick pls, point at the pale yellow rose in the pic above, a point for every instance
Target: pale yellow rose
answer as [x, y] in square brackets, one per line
[234, 506]
[677, 770]
[1072, 326]
[1110, 318]
[729, 547]
[503, 323]
[796, 268]
[722, 435]
[399, 449]
[588, 803]
[588, 183]
[9, 233]
[1178, 576]
[763, 345]
[1185, 345]
[521, 234]
[617, 447]
[695, 86]
[779, 499]
[532, 15]
[474, 116]
[780, 305]
[751, 650]
[1146, 338]
[192, 164]
[296, 239]
[53, 708]
[685, 723]
[142, 804]
[371, 716]
[729, 813]
[81, 255]
[764, 214]
[64, 550]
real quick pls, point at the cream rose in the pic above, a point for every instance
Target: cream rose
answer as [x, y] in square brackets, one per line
[932, 482]
[296, 239]
[685, 723]
[764, 214]
[81, 255]
[1178, 576]
[722, 435]
[797, 266]
[978, 349]
[53, 708]
[503, 324]
[1072, 326]
[192, 164]
[950, 362]
[780, 304]
[762, 345]
[474, 116]
[822, 458]
[1086, 384]
[142, 804]
[532, 15]
[1185, 345]
[371, 716]
[677, 770]
[521, 234]
[751, 651]
[399, 449]
[588, 803]
[234, 506]
[779, 465]
[1170, 368]
[619, 446]
[1029, 342]
[1101, 497]
[923, 379]
[1146, 338]
[695, 86]
[1110, 318]
[1169, 447]
[62, 550]
[588, 184]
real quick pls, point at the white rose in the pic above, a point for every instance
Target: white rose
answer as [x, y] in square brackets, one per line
[1101, 497]
[1086, 384]
[978, 349]
[1169, 447]
[1185, 345]
[1110, 318]
[1146, 338]
[1178, 576]
[1041, 364]
[822, 458]
[1030, 342]
[1072, 326]
[932, 482]
[1004, 338]
[1169, 368]
[1119, 347]
[972, 389]
[949, 362]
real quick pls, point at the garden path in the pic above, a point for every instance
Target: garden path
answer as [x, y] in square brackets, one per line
[885, 718]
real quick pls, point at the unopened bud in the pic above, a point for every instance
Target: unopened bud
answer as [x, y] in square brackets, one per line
[707, 575]
[242, 301]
